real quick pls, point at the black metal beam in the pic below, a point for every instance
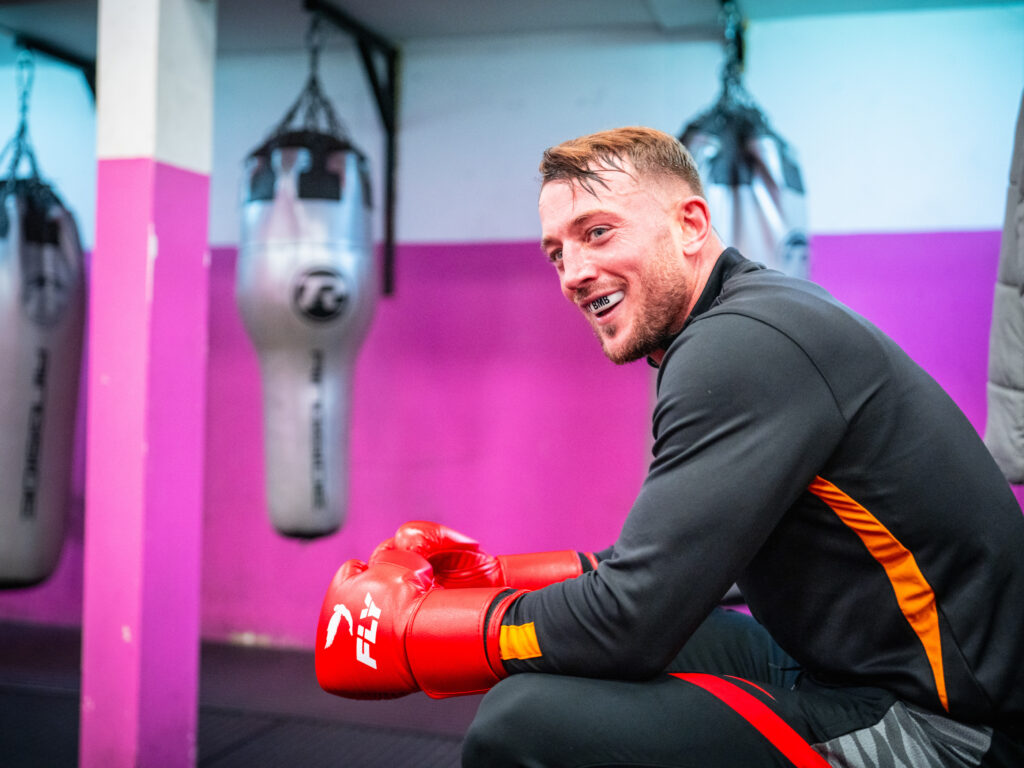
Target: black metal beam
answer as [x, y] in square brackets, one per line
[86, 66]
[385, 91]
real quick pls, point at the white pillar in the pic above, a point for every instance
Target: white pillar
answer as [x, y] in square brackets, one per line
[147, 373]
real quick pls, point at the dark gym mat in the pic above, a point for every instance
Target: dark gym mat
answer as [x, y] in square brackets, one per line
[259, 708]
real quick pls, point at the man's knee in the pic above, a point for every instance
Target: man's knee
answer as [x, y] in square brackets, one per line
[507, 726]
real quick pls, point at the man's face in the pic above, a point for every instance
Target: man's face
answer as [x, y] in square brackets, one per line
[619, 258]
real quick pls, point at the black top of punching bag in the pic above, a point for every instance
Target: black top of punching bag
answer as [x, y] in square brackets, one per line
[735, 124]
[316, 180]
[38, 199]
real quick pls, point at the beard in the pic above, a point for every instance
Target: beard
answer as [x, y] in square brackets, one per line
[663, 296]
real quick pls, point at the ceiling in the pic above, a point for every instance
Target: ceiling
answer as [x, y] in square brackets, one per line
[262, 25]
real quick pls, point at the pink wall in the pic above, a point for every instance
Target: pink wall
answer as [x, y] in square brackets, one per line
[482, 401]
[931, 292]
[479, 401]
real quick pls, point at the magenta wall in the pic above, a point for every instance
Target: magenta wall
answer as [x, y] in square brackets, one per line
[931, 292]
[482, 401]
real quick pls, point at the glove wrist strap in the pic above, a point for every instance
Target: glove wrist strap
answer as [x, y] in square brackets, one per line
[538, 569]
[453, 641]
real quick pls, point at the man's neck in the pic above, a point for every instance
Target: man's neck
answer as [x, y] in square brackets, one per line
[705, 264]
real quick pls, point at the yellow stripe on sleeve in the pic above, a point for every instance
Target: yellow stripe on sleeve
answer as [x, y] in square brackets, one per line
[519, 641]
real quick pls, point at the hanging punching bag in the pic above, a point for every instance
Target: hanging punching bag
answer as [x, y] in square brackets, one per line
[752, 182]
[1004, 423]
[306, 286]
[42, 308]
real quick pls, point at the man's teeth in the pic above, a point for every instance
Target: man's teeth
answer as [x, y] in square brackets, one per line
[605, 302]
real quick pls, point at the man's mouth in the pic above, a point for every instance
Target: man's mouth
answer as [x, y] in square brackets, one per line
[603, 304]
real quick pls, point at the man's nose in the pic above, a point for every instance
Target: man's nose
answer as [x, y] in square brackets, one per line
[577, 269]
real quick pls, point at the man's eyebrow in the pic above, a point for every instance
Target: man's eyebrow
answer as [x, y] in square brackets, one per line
[578, 222]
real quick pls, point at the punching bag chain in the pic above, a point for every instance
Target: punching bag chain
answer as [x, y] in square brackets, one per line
[733, 93]
[312, 102]
[19, 144]
[314, 41]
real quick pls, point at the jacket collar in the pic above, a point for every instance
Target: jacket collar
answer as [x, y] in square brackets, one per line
[730, 262]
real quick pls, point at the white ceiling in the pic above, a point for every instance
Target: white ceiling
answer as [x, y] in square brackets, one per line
[260, 25]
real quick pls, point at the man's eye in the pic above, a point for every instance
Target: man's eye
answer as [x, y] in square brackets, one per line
[597, 232]
[555, 256]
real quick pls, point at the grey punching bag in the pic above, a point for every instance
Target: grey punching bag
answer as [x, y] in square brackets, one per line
[306, 286]
[42, 301]
[752, 182]
[1004, 423]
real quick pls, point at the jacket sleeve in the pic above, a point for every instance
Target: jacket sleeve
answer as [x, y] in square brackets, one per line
[742, 424]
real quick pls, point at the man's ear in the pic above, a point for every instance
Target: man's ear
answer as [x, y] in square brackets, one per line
[695, 223]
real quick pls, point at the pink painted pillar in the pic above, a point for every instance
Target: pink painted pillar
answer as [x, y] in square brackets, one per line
[146, 378]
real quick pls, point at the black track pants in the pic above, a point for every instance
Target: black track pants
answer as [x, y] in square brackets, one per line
[730, 699]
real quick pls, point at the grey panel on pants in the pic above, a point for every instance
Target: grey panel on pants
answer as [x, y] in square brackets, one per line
[907, 737]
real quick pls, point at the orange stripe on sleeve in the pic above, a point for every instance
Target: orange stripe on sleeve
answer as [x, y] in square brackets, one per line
[913, 593]
[519, 641]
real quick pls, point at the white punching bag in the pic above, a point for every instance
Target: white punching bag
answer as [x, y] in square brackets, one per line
[751, 179]
[306, 286]
[42, 309]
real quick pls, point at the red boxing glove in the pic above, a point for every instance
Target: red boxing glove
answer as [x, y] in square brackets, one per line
[387, 629]
[458, 560]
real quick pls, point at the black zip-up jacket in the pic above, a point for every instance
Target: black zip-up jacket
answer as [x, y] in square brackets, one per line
[801, 454]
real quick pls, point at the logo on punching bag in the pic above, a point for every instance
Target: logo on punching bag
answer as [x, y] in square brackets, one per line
[320, 294]
[792, 254]
[47, 283]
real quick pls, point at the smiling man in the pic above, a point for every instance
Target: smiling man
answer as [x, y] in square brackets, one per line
[616, 239]
[797, 452]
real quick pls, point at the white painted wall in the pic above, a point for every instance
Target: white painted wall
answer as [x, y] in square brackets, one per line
[155, 69]
[901, 121]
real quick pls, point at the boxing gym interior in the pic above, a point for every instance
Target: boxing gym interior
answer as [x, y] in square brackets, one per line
[193, 443]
